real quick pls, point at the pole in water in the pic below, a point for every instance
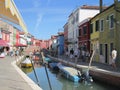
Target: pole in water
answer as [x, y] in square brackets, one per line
[48, 77]
[46, 71]
[35, 74]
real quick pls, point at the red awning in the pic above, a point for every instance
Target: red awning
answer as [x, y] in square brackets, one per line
[20, 45]
[3, 43]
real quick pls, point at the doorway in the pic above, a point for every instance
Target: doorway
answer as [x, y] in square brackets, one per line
[106, 53]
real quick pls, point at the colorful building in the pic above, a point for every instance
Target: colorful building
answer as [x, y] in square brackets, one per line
[84, 35]
[74, 19]
[66, 36]
[105, 33]
[60, 41]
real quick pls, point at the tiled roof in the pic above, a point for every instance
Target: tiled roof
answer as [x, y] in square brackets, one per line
[92, 7]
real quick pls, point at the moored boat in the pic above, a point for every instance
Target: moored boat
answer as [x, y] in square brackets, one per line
[70, 73]
[54, 66]
[26, 62]
[47, 59]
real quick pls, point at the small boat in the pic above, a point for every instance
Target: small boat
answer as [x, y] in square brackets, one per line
[70, 73]
[26, 62]
[54, 66]
[47, 59]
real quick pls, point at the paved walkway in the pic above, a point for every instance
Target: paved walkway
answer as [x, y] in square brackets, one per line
[12, 78]
[93, 64]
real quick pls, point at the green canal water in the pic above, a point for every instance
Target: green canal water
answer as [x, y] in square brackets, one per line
[58, 82]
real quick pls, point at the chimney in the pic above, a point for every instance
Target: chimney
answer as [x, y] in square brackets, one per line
[101, 2]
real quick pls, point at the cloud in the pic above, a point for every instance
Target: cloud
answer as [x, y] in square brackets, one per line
[39, 19]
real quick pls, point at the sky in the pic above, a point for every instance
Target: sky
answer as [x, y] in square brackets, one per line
[44, 18]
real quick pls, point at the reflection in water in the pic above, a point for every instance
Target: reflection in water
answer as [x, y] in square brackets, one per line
[59, 82]
[27, 70]
[30, 69]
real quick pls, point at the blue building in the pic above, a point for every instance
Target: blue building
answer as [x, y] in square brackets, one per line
[60, 41]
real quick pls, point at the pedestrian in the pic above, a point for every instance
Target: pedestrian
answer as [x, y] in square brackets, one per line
[66, 52]
[71, 54]
[83, 55]
[87, 56]
[76, 56]
[114, 56]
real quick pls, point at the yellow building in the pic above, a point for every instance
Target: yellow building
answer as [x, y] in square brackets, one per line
[94, 36]
[105, 35]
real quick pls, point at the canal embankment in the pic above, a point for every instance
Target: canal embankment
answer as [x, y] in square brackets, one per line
[99, 71]
[12, 77]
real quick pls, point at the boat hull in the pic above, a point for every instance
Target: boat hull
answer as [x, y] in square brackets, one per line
[54, 66]
[26, 65]
[68, 74]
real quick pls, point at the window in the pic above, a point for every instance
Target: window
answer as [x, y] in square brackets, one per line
[101, 48]
[97, 25]
[77, 17]
[101, 25]
[73, 20]
[84, 30]
[111, 21]
[91, 28]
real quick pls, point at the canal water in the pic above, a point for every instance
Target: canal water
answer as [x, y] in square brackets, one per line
[58, 82]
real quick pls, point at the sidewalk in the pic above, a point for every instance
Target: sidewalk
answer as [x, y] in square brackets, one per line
[12, 78]
[93, 64]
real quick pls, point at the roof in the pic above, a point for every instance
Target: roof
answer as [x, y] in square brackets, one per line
[92, 7]
[103, 11]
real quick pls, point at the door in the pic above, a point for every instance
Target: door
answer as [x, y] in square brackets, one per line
[106, 53]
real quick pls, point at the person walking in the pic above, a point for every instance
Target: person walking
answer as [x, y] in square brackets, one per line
[76, 56]
[87, 56]
[83, 55]
[71, 54]
[114, 56]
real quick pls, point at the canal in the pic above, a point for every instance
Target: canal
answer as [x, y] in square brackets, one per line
[58, 82]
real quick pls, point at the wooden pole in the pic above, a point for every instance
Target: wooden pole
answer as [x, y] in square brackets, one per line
[46, 71]
[91, 60]
[35, 74]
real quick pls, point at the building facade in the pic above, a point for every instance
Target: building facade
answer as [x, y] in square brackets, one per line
[105, 34]
[66, 36]
[60, 41]
[84, 35]
[74, 19]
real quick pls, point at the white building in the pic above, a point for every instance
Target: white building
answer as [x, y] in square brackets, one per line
[74, 19]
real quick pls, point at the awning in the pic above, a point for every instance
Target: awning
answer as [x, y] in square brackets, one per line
[3, 43]
[20, 45]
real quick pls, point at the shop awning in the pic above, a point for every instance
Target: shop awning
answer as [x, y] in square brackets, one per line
[3, 43]
[20, 45]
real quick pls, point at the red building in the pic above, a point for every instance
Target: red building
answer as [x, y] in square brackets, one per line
[37, 42]
[84, 34]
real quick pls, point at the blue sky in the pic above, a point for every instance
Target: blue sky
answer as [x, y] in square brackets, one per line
[44, 18]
